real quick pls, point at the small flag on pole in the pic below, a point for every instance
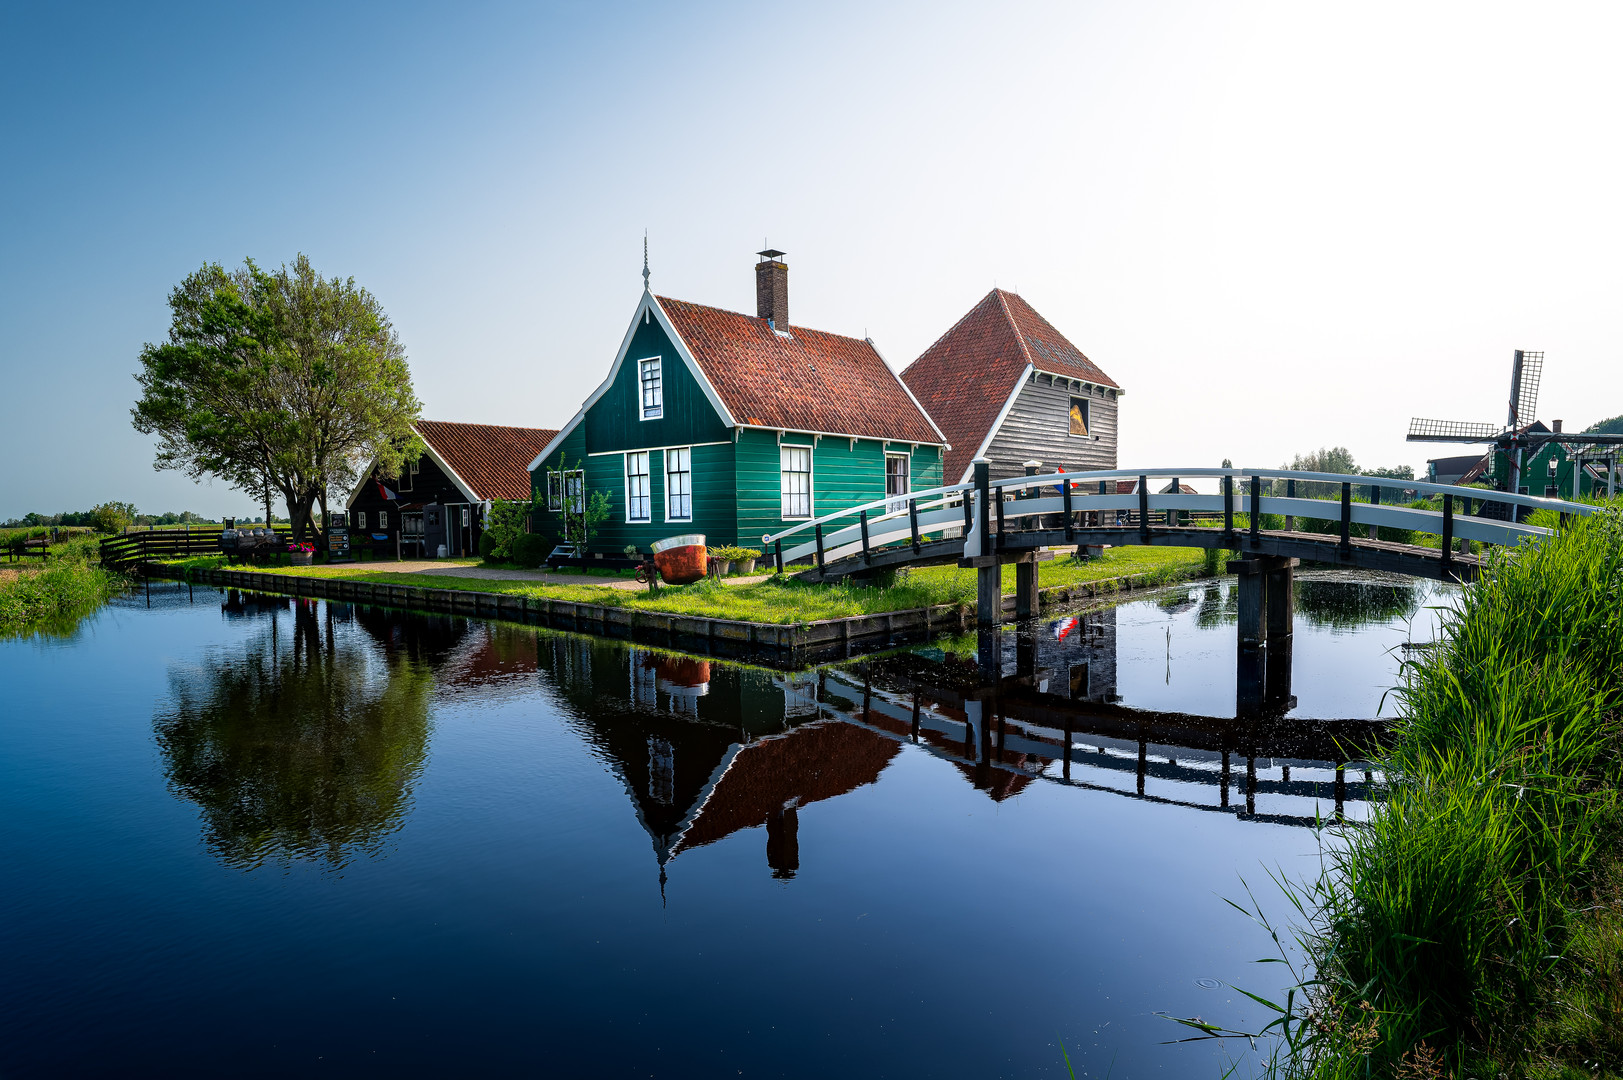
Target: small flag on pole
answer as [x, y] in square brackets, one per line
[385, 493]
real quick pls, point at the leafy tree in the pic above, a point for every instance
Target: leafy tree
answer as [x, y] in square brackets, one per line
[277, 382]
[1614, 426]
[112, 517]
[1392, 472]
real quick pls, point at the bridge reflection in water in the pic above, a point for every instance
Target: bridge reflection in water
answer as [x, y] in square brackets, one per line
[706, 749]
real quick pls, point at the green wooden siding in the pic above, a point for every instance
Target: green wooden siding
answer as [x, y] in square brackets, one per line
[842, 475]
[615, 421]
[1537, 478]
[713, 503]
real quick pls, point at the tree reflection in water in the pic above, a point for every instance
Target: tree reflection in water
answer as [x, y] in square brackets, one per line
[298, 750]
[1340, 604]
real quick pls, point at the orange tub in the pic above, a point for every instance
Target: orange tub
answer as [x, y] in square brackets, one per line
[681, 559]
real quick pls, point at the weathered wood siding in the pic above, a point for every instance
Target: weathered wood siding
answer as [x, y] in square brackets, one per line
[1038, 427]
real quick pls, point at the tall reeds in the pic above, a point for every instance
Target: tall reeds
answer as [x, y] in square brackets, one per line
[1440, 930]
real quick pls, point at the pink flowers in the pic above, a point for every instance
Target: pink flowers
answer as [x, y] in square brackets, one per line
[299, 548]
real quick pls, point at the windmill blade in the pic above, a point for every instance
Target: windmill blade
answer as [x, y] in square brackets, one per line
[1525, 372]
[1422, 430]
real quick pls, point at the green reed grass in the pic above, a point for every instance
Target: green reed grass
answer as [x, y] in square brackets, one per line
[1457, 932]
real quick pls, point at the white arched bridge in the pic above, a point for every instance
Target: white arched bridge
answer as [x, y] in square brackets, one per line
[988, 523]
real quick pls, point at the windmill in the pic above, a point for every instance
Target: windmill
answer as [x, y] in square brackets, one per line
[1516, 437]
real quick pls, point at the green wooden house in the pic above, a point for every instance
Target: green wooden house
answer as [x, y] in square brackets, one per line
[1553, 469]
[731, 425]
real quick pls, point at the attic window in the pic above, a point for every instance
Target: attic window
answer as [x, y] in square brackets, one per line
[653, 388]
[1080, 417]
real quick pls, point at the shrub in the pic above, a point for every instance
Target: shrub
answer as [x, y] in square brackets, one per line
[531, 549]
[487, 547]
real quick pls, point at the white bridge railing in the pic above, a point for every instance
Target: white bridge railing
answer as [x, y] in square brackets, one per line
[976, 511]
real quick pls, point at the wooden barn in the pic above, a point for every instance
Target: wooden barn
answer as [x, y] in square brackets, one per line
[443, 495]
[1003, 384]
[732, 425]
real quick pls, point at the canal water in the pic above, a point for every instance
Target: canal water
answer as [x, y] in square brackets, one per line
[256, 835]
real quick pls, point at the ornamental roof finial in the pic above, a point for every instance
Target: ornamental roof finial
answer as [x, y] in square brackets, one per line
[645, 259]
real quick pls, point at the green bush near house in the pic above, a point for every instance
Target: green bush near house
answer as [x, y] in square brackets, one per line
[531, 549]
[487, 546]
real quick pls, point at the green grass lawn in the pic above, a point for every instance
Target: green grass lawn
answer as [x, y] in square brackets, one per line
[776, 600]
[1170, 564]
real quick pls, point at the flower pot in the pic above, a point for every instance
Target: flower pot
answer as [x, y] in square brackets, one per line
[681, 559]
[745, 566]
[304, 558]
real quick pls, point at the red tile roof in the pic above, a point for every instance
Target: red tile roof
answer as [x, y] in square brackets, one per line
[806, 380]
[964, 379]
[494, 461]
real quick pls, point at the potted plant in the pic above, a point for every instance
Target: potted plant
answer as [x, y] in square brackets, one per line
[744, 562]
[301, 554]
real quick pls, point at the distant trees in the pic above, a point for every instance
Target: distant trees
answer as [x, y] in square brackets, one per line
[277, 382]
[1614, 426]
[113, 517]
[1337, 459]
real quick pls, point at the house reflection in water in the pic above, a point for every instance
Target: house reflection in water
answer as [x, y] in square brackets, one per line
[708, 750]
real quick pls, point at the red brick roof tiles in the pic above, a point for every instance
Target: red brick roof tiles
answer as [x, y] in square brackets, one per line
[964, 379]
[804, 380]
[494, 461]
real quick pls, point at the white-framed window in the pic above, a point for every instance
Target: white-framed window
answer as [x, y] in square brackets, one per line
[569, 485]
[679, 484]
[637, 499]
[575, 490]
[360, 519]
[898, 480]
[651, 380]
[467, 516]
[795, 464]
[383, 519]
[408, 475]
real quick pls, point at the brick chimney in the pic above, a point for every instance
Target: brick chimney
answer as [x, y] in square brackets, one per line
[772, 288]
[1555, 426]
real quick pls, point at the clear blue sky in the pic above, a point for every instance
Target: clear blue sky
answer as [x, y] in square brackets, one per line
[1278, 226]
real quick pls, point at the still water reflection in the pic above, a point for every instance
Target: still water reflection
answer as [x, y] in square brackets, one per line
[257, 835]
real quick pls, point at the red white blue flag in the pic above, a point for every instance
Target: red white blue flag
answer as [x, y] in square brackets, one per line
[385, 493]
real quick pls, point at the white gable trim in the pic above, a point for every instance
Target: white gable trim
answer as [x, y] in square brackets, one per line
[1003, 414]
[922, 412]
[687, 358]
[647, 306]
[461, 485]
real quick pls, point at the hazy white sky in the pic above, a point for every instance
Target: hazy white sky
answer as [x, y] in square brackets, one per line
[1277, 226]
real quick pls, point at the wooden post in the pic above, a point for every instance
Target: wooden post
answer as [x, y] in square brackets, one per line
[1025, 589]
[1000, 519]
[1374, 500]
[862, 518]
[1172, 515]
[1256, 511]
[1279, 598]
[777, 549]
[1144, 507]
[1346, 518]
[1065, 499]
[983, 493]
[1448, 529]
[1290, 493]
[1228, 507]
[1252, 584]
[818, 528]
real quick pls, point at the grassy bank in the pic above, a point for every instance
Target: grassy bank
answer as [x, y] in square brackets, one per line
[1474, 926]
[53, 597]
[775, 600]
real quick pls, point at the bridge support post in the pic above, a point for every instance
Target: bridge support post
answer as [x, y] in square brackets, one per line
[1279, 596]
[1253, 585]
[1025, 589]
[988, 579]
